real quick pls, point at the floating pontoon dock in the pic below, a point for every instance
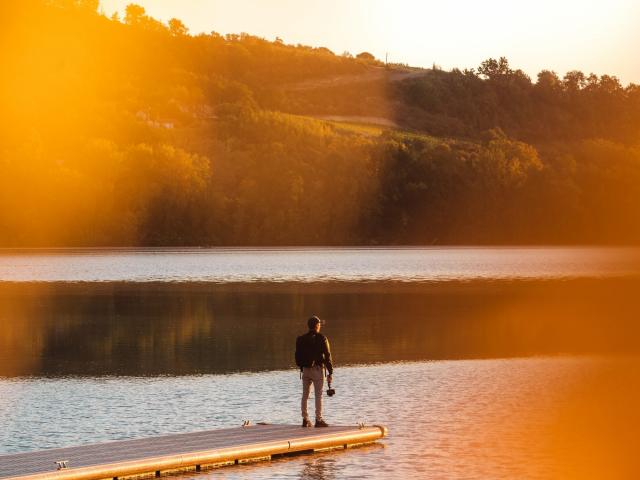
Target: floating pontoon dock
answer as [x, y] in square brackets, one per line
[180, 452]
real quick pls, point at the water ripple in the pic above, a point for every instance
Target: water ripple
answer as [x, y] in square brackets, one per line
[448, 419]
[223, 265]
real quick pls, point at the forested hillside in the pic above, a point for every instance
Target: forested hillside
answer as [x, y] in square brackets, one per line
[129, 132]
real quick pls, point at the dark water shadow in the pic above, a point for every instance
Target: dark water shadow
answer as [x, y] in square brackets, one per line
[61, 329]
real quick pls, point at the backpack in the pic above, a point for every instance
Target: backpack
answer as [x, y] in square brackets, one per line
[305, 351]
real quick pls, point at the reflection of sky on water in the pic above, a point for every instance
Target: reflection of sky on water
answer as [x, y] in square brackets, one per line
[449, 419]
[317, 265]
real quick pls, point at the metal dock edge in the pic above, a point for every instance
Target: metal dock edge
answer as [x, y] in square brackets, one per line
[156, 455]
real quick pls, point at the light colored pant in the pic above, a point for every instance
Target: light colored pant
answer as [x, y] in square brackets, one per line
[313, 375]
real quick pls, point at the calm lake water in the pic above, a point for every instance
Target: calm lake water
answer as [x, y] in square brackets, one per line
[313, 265]
[483, 363]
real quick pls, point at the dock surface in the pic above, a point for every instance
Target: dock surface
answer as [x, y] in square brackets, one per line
[157, 455]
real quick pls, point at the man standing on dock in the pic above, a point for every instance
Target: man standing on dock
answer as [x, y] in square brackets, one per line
[313, 355]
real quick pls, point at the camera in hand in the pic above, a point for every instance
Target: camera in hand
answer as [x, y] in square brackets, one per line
[331, 392]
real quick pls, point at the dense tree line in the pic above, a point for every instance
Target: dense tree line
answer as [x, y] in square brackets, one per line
[127, 131]
[467, 103]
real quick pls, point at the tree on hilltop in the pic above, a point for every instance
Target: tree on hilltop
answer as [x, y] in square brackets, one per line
[134, 14]
[366, 56]
[493, 68]
[177, 28]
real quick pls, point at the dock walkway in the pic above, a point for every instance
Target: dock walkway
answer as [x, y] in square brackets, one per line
[170, 453]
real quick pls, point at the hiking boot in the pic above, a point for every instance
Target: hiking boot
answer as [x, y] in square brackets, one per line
[321, 423]
[306, 422]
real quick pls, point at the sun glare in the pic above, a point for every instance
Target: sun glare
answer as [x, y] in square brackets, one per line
[451, 187]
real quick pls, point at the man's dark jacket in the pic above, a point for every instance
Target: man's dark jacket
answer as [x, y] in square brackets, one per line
[313, 349]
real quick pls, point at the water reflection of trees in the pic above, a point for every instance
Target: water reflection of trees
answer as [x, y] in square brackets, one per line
[148, 329]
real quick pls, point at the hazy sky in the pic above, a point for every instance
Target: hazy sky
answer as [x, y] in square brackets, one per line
[561, 35]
